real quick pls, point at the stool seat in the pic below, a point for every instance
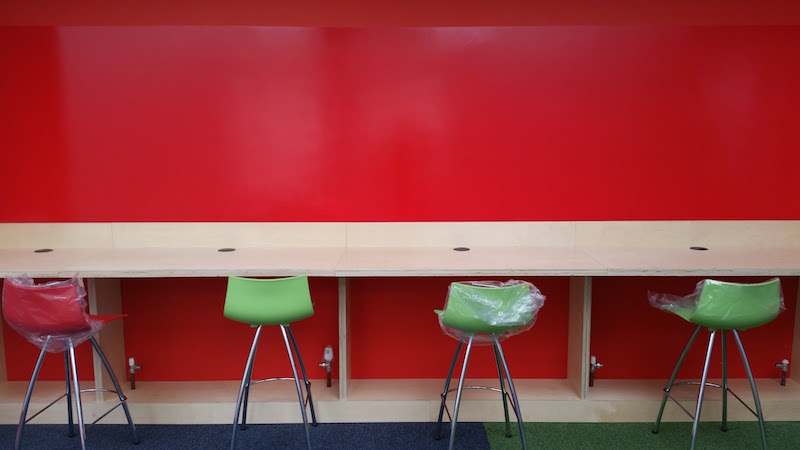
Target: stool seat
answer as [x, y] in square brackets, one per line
[486, 308]
[734, 306]
[487, 312]
[260, 302]
[53, 317]
[721, 307]
[268, 301]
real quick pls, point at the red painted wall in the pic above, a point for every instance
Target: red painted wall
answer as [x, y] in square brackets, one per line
[634, 340]
[395, 333]
[222, 123]
[395, 13]
[176, 331]
[284, 124]
[21, 358]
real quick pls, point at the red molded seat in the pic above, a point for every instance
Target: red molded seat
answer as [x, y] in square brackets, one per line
[53, 317]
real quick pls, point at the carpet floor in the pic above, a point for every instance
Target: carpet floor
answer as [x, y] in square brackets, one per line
[412, 436]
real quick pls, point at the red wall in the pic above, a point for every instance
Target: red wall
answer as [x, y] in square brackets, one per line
[395, 333]
[668, 117]
[21, 358]
[285, 124]
[398, 13]
[176, 331]
[634, 340]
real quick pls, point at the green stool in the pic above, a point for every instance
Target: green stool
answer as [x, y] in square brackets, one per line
[722, 306]
[270, 302]
[485, 313]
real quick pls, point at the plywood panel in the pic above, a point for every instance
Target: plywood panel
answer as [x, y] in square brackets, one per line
[105, 299]
[226, 234]
[685, 234]
[55, 235]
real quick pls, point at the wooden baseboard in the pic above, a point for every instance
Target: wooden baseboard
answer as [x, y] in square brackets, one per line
[408, 401]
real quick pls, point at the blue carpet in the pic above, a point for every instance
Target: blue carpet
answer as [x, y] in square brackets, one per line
[410, 436]
[413, 436]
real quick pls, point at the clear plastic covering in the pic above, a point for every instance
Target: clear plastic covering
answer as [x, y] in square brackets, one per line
[719, 304]
[681, 305]
[56, 309]
[490, 308]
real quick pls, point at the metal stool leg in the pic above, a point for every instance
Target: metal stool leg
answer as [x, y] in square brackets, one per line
[724, 381]
[515, 401]
[77, 390]
[502, 391]
[297, 383]
[458, 393]
[703, 381]
[249, 376]
[245, 377]
[447, 388]
[667, 389]
[24, 414]
[753, 388]
[305, 378]
[70, 425]
[122, 399]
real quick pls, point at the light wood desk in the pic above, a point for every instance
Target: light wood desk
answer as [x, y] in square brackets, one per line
[106, 253]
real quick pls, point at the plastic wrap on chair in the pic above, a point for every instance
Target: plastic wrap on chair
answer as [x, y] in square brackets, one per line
[681, 305]
[720, 304]
[509, 311]
[56, 309]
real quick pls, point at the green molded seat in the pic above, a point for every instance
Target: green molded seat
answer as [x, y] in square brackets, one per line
[268, 301]
[487, 309]
[485, 313]
[260, 302]
[735, 306]
[721, 307]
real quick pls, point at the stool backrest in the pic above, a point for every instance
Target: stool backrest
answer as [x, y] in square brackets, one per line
[268, 301]
[737, 306]
[37, 311]
[476, 308]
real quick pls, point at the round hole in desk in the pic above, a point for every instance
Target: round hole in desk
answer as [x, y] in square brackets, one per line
[461, 249]
[43, 250]
[701, 249]
[226, 250]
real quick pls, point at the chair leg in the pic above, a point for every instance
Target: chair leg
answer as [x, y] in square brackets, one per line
[724, 381]
[703, 381]
[502, 391]
[297, 383]
[77, 391]
[753, 388]
[71, 428]
[447, 388]
[667, 389]
[305, 378]
[458, 393]
[248, 366]
[24, 414]
[514, 399]
[117, 388]
[249, 376]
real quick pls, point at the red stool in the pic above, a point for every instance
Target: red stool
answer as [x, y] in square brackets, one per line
[52, 316]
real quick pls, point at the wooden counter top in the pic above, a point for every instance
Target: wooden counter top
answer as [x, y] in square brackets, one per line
[382, 262]
[130, 250]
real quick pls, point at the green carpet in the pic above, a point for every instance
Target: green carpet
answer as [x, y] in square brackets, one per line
[673, 435]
